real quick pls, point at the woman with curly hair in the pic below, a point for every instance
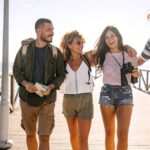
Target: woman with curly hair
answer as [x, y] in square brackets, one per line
[77, 89]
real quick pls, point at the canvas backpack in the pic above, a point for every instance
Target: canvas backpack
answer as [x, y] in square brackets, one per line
[54, 50]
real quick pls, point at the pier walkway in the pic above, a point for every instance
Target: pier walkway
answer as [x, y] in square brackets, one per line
[139, 135]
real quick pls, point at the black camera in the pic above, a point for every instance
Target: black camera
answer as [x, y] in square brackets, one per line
[127, 68]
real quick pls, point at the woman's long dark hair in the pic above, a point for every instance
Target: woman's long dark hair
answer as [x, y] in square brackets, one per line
[101, 46]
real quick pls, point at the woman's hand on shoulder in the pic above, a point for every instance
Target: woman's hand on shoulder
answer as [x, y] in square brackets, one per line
[91, 56]
[131, 51]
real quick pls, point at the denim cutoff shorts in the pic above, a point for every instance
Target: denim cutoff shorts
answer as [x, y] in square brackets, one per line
[116, 95]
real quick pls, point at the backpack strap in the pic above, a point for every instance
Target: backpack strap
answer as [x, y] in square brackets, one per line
[54, 51]
[85, 59]
[65, 65]
[24, 49]
[55, 54]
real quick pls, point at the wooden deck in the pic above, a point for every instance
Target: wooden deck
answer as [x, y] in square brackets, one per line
[139, 136]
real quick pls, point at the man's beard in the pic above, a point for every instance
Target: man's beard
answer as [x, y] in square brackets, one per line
[44, 39]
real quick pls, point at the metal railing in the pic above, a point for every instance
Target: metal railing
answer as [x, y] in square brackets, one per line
[143, 81]
[12, 94]
[97, 72]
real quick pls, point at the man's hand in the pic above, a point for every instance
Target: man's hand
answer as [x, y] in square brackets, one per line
[140, 61]
[91, 57]
[30, 87]
[135, 73]
[48, 90]
[131, 51]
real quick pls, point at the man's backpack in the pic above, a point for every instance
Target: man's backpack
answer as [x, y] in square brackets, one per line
[86, 60]
[54, 50]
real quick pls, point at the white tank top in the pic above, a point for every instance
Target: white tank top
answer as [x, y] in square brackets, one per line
[77, 82]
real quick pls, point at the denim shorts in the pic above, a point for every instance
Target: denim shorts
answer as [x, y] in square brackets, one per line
[116, 95]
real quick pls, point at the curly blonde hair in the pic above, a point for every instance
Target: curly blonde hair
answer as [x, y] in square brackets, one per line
[67, 39]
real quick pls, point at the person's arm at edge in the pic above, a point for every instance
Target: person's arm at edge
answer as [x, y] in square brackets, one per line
[91, 54]
[140, 61]
[131, 51]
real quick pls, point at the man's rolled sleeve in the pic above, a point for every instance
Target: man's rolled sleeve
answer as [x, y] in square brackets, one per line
[145, 55]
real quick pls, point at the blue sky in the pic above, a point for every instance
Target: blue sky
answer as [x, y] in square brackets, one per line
[90, 17]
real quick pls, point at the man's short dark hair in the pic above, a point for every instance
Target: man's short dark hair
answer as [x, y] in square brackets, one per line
[41, 21]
